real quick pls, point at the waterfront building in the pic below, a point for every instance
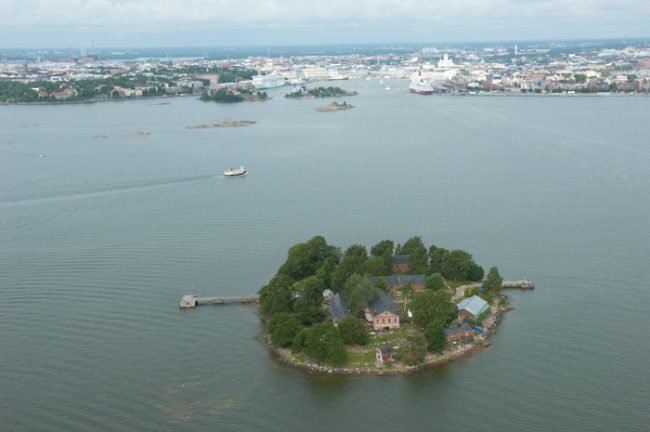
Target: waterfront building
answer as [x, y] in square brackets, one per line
[473, 308]
[382, 313]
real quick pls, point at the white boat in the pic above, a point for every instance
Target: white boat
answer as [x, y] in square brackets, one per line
[234, 172]
[420, 85]
[271, 80]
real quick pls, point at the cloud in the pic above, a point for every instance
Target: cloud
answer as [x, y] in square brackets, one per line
[117, 13]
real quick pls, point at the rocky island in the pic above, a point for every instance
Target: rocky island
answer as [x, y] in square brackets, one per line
[319, 92]
[397, 310]
[226, 124]
[233, 94]
[335, 106]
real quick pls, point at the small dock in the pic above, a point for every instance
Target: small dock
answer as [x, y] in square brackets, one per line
[191, 301]
[518, 284]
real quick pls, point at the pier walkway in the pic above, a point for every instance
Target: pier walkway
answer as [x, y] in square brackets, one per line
[191, 301]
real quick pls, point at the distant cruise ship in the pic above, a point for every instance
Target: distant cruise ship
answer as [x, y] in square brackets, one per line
[271, 80]
[420, 85]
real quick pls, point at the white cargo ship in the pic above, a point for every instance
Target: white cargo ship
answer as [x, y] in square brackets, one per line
[420, 85]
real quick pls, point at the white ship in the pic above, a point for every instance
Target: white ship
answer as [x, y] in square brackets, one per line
[234, 172]
[420, 85]
[271, 80]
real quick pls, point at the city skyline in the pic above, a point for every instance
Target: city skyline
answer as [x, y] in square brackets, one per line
[147, 23]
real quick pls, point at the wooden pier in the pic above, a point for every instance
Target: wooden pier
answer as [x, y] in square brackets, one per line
[191, 301]
[519, 284]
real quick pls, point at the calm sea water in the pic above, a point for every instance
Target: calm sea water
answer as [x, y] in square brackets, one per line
[100, 237]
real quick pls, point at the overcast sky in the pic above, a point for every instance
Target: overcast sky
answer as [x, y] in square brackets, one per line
[138, 23]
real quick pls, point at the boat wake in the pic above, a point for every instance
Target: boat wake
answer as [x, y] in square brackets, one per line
[109, 189]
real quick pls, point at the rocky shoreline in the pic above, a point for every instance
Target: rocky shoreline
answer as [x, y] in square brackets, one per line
[226, 124]
[335, 106]
[431, 361]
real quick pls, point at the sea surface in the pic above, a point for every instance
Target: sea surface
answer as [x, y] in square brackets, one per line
[103, 229]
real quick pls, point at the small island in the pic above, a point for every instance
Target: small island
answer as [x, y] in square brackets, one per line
[395, 310]
[233, 94]
[335, 106]
[319, 92]
[226, 124]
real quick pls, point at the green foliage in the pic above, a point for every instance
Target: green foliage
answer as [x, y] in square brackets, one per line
[435, 282]
[324, 344]
[475, 272]
[299, 341]
[375, 266]
[436, 338]
[437, 257]
[225, 95]
[358, 292]
[308, 304]
[320, 92]
[381, 284]
[493, 282]
[580, 78]
[353, 261]
[418, 258]
[354, 330]
[432, 307]
[276, 296]
[384, 249]
[412, 352]
[304, 259]
[283, 329]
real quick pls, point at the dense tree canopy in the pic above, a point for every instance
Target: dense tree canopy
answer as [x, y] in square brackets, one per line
[283, 329]
[323, 343]
[384, 250]
[354, 330]
[353, 261]
[310, 297]
[493, 282]
[437, 257]
[304, 259]
[276, 296]
[359, 291]
[417, 252]
[435, 282]
[436, 338]
[432, 307]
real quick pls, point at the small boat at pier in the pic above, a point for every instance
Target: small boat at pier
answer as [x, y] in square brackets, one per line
[235, 172]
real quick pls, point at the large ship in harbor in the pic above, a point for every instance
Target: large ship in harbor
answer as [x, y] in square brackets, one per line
[271, 80]
[420, 84]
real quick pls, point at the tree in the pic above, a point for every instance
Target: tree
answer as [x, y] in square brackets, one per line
[375, 266]
[326, 270]
[308, 304]
[384, 250]
[324, 344]
[437, 258]
[354, 330]
[381, 284]
[418, 259]
[493, 282]
[475, 272]
[353, 261]
[457, 265]
[412, 352]
[283, 329]
[435, 282]
[276, 295]
[436, 338]
[432, 307]
[359, 291]
[304, 259]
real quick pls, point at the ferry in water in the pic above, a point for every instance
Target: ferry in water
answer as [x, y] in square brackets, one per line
[235, 172]
[271, 80]
[420, 85]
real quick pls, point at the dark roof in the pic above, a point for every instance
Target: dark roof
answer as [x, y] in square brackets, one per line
[399, 259]
[400, 279]
[464, 327]
[382, 303]
[339, 308]
[386, 350]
